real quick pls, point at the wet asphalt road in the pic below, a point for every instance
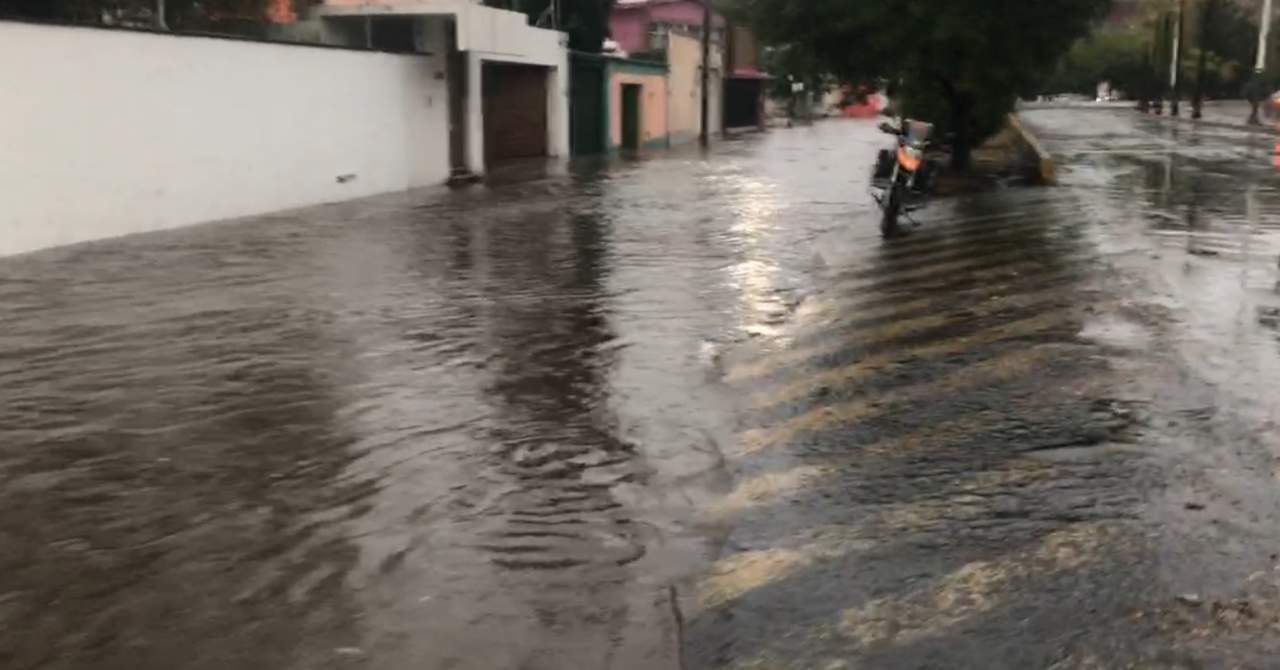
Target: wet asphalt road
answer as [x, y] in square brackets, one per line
[687, 411]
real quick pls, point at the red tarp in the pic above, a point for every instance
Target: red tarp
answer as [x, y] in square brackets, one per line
[866, 110]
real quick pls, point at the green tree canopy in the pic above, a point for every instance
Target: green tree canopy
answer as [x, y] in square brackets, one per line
[1221, 34]
[1121, 56]
[961, 63]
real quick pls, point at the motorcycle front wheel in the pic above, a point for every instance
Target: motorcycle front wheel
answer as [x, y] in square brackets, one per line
[892, 208]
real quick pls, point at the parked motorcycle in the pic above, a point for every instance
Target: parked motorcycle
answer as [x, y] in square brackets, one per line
[900, 184]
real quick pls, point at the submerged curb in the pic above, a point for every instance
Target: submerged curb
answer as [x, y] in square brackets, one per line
[1044, 162]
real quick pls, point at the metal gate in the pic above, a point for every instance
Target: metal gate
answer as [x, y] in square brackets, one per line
[586, 104]
[631, 116]
[741, 103]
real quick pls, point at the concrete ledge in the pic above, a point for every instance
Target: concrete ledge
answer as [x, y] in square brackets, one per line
[682, 137]
[1265, 126]
[1047, 173]
[652, 144]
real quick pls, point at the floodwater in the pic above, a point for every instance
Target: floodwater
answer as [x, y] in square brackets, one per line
[468, 429]
[681, 412]
[1038, 433]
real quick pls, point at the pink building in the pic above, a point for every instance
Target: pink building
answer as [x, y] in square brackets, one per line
[642, 25]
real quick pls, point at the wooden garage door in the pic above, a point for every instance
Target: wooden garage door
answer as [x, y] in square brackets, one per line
[515, 111]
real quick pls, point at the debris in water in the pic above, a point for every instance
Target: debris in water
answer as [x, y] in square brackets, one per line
[1191, 599]
[710, 354]
[1234, 612]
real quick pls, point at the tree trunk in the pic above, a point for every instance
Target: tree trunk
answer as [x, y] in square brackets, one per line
[161, 21]
[961, 155]
[962, 144]
[1144, 86]
[1197, 98]
[961, 121]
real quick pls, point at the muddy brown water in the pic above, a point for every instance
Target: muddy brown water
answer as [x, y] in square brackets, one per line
[683, 411]
[466, 429]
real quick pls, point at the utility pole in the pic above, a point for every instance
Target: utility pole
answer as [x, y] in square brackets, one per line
[1164, 29]
[704, 137]
[1263, 33]
[1175, 66]
[1206, 20]
[1144, 95]
[1255, 90]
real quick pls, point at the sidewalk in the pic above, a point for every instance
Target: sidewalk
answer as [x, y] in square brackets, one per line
[1227, 113]
[1232, 113]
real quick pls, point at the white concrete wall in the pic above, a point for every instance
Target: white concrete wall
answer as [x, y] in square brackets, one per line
[520, 43]
[486, 34]
[104, 133]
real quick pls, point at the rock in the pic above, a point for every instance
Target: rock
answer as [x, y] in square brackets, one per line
[1191, 599]
[1194, 506]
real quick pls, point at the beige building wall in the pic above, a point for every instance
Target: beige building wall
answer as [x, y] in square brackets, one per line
[653, 108]
[684, 82]
[684, 88]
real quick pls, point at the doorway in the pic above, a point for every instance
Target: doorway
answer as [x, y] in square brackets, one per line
[742, 103]
[587, 116]
[515, 111]
[631, 116]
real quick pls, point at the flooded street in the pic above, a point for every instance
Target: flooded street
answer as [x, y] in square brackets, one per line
[1035, 434]
[683, 412]
[470, 429]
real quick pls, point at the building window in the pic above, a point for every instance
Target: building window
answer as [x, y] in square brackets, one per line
[658, 35]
